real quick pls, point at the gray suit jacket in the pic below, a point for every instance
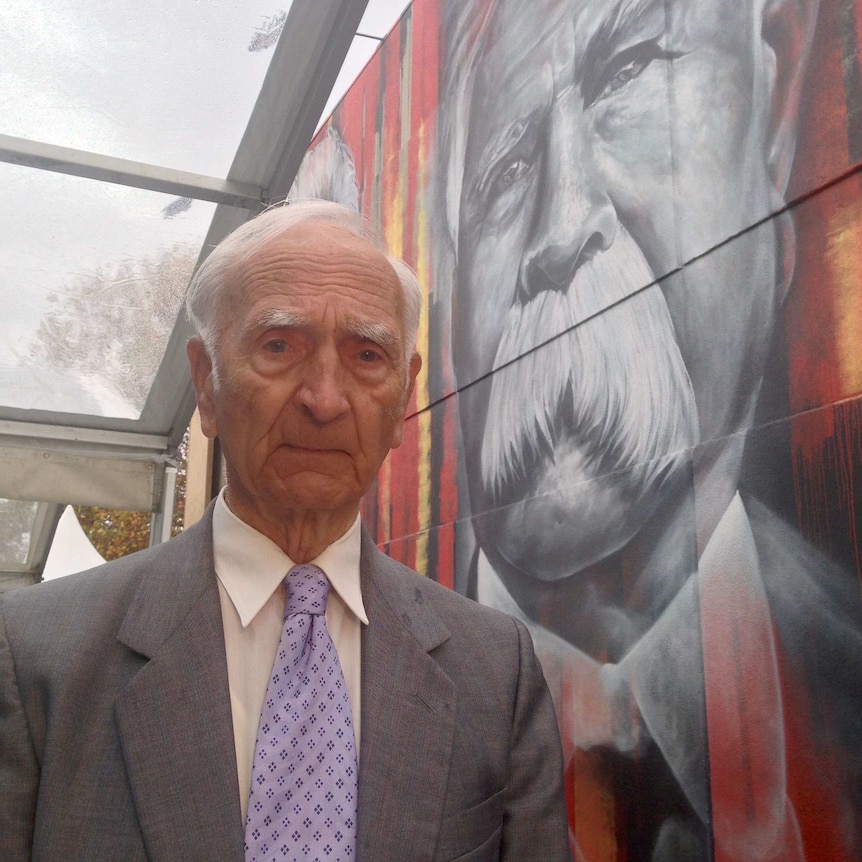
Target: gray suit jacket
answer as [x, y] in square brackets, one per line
[116, 737]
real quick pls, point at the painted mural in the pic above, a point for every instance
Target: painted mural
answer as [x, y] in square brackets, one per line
[639, 428]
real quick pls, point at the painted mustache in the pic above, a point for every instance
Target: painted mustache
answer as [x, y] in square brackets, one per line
[613, 378]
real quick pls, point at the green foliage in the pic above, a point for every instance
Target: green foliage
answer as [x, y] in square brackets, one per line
[115, 533]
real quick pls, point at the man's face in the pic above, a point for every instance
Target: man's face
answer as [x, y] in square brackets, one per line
[312, 377]
[610, 143]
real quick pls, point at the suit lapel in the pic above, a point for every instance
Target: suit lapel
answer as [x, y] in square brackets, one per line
[174, 718]
[407, 718]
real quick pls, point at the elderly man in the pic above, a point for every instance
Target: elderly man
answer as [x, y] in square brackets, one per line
[130, 696]
[610, 342]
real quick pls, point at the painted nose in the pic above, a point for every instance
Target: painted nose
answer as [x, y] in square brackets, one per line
[556, 257]
[575, 218]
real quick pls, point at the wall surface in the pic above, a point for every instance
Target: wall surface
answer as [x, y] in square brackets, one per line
[639, 427]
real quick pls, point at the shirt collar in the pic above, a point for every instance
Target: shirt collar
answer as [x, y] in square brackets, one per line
[251, 567]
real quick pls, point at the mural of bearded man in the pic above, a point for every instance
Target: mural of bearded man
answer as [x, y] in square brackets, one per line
[615, 175]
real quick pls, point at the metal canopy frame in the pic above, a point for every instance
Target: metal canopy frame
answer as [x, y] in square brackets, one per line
[61, 458]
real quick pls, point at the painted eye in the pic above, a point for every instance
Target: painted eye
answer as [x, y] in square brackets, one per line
[627, 66]
[511, 158]
[512, 174]
[628, 73]
[509, 175]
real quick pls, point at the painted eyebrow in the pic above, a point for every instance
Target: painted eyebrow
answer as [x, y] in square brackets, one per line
[601, 47]
[617, 25]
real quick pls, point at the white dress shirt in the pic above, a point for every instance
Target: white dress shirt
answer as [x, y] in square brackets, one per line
[250, 569]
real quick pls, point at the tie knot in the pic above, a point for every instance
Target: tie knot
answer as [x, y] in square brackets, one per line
[307, 588]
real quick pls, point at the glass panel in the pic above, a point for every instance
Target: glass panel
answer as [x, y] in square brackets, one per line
[91, 280]
[16, 527]
[168, 82]
[381, 16]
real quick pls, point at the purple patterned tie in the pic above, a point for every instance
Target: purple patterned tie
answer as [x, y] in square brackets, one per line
[302, 804]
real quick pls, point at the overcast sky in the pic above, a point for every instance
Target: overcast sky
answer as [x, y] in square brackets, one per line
[166, 82]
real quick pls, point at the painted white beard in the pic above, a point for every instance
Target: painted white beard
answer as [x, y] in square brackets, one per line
[617, 359]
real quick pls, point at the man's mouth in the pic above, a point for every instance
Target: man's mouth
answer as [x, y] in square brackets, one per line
[312, 450]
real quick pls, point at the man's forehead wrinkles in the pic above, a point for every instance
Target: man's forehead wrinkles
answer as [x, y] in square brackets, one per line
[313, 248]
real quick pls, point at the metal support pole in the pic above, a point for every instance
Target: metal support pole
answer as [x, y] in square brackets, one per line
[162, 521]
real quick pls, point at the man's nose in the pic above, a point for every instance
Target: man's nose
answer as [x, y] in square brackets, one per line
[322, 394]
[575, 219]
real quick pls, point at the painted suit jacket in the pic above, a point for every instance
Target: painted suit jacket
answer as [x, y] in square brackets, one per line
[791, 629]
[116, 736]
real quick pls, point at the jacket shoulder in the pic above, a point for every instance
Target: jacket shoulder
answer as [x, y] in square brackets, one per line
[435, 609]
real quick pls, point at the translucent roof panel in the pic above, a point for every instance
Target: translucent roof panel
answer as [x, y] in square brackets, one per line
[167, 82]
[91, 279]
[205, 100]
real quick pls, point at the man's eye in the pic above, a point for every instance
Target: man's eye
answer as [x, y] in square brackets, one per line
[370, 355]
[275, 345]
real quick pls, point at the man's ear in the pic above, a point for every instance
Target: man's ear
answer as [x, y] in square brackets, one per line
[202, 379]
[787, 33]
[413, 373]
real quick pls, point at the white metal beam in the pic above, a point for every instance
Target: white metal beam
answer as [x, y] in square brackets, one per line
[60, 435]
[125, 172]
[308, 58]
[83, 479]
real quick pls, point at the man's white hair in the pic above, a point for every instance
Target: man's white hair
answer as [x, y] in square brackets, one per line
[206, 293]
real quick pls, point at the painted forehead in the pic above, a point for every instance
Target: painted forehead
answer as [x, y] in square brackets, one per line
[583, 27]
[575, 35]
